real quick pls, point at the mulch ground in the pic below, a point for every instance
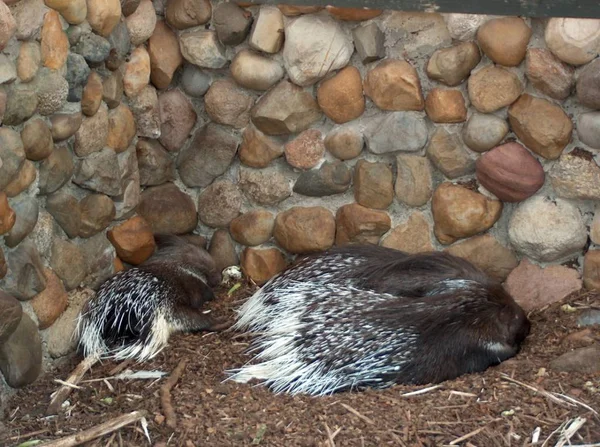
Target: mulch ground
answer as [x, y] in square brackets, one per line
[505, 406]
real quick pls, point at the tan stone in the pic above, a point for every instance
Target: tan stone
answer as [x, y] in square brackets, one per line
[445, 106]
[303, 230]
[353, 14]
[595, 228]
[542, 126]
[504, 40]
[37, 139]
[73, 11]
[394, 85]
[296, 10]
[253, 228]
[103, 15]
[373, 184]
[141, 23]
[29, 60]
[344, 143]
[137, 72]
[226, 103]
[260, 265]
[493, 88]
[411, 236]
[64, 125]
[591, 270]
[267, 34]
[183, 14]
[414, 184]
[8, 25]
[121, 128]
[133, 240]
[92, 94]
[165, 55]
[257, 149]
[23, 180]
[306, 150]
[55, 44]
[449, 154]
[486, 253]
[548, 74]
[460, 213]
[49, 304]
[357, 224]
[341, 96]
[453, 65]
[7, 216]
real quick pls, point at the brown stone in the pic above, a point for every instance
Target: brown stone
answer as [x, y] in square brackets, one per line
[12, 155]
[92, 133]
[3, 266]
[73, 11]
[92, 94]
[65, 210]
[451, 66]
[133, 240]
[459, 212]
[112, 89]
[68, 263]
[168, 209]
[306, 150]
[510, 172]
[296, 10]
[11, 311]
[264, 186]
[29, 60]
[591, 270]
[226, 103]
[37, 139]
[49, 304]
[542, 126]
[353, 14]
[165, 55]
[414, 184]
[260, 265]
[504, 40]
[64, 125]
[588, 85]
[7, 215]
[357, 224]
[23, 180]
[121, 128]
[219, 203]
[445, 106]
[394, 85]
[178, 118]
[534, 287]
[137, 72]
[154, 163]
[103, 15]
[97, 212]
[253, 228]
[412, 236]
[222, 250]
[8, 25]
[183, 14]
[584, 360]
[493, 88]
[344, 143]
[373, 184]
[548, 74]
[341, 96]
[303, 230]
[486, 253]
[449, 154]
[55, 44]
[257, 149]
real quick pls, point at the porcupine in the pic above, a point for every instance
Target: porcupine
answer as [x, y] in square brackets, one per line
[135, 311]
[362, 316]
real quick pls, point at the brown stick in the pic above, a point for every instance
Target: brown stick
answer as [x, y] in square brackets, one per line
[97, 431]
[165, 394]
[64, 391]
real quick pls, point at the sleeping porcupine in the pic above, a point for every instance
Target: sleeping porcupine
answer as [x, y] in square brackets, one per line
[135, 311]
[370, 316]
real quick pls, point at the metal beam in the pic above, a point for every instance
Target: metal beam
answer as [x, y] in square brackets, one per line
[526, 8]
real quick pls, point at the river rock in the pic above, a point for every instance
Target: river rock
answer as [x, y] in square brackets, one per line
[74, 12]
[373, 184]
[11, 312]
[202, 48]
[493, 88]
[504, 40]
[595, 228]
[253, 228]
[452, 66]
[369, 42]
[25, 277]
[588, 85]
[183, 14]
[222, 250]
[7, 214]
[61, 335]
[261, 264]
[445, 106]
[3, 266]
[535, 287]
[155, 165]
[130, 197]
[8, 25]
[541, 125]
[414, 184]
[266, 34]
[165, 55]
[99, 172]
[66, 211]
[574, 41]
[576, 177]
[94, 48]
[103, 15]
[486, 253]
[92, 94]
[208, 156]
[258, 150]
[581, 360]
[51, 302]
[137, 72]
[12, 155]
[219, 204]
[194, 81]
[547, 230]
[120, 41]
[411, 236]
[92, 134]
[133, 240]
[24, 179]
[460, 213]
[484, 131]
[68, 263]
[55, 44]
[306, 150]
[30, 59]
[52, 91]
[168, 209]
[226, 103]
[285, 109]
[264, 186]
[56, 170]
[510, 172]
[112, 91]
[97, 213]
[21, 104]
[394, 85]
[548, 74]
[64, 125]
[141, 23]
[178, 119]
[357, 224]
[255, 71]
[353, 14]
[464, 26]
[121, 128]
[396, 131]
[591, 270]
[21, 355]
[303, 230]
[345, 142]
[146, 110]
[315, 45]
[341, 96]
[588, 129]
[8, 71]
[448, 153]
[231, 23]
[26, 210]
[329, 179]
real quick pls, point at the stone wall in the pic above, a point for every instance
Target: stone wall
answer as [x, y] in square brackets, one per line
[269, 131]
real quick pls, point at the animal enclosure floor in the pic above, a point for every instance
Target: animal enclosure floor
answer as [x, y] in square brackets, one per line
[504, 406]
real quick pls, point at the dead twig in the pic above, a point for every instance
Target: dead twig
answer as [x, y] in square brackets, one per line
[356, 413]
[97, 431]
[473, 433]
[165, 394]
[120, 367]
[63, 392]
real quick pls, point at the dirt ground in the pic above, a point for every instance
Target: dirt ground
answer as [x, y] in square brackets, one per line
[504, 406]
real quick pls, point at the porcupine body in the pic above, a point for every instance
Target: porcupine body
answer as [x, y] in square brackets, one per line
[369, 316]
[135, 311]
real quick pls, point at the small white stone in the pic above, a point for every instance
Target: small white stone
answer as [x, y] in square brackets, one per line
[574, 41]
